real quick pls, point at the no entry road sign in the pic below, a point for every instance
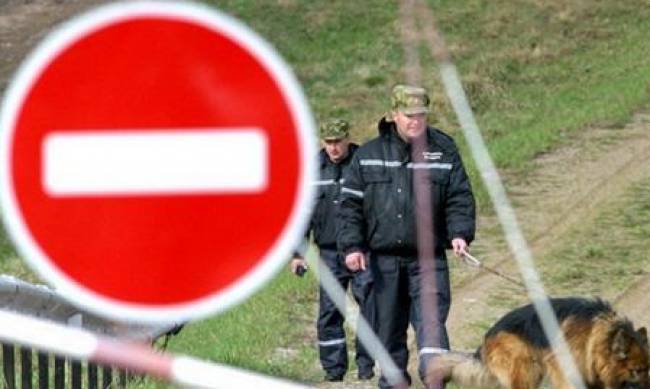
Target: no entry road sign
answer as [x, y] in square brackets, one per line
[156, 160]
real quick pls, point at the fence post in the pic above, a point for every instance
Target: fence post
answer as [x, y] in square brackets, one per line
[59, 372]
[122, 378]
[92, 376]
[107, 377]
[75, 374]
[25, 368]
[8, 366]
[43, 370]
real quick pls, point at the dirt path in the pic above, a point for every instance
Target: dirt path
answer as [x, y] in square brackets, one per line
[564, 189]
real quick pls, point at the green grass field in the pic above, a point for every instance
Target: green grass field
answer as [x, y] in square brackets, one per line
[536, 73]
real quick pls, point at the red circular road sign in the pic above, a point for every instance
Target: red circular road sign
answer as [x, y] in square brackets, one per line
[156, 160]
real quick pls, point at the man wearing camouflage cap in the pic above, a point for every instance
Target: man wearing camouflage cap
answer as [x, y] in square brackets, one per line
[334, 158]
[378, 224]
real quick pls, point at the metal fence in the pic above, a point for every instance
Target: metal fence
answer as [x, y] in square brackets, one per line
[25, 368]
[50, 371]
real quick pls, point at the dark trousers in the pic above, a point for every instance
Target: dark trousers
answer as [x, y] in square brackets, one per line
[331, 334]
[398, 302]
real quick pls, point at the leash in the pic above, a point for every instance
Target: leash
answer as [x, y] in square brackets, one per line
[471, 261]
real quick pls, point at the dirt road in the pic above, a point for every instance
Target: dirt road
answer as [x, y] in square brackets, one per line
[565, 189]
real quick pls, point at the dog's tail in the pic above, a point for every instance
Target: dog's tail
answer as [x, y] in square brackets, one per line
[464, 369]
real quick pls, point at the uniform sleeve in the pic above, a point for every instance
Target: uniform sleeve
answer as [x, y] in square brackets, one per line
[301, 250]
[461, 207]
[351, 225]
[303, 245]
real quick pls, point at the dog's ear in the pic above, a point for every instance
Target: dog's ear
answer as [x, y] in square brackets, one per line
[643, 334]
[620, 344]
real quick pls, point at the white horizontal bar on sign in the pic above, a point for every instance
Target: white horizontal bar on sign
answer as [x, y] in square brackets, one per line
[165, 161]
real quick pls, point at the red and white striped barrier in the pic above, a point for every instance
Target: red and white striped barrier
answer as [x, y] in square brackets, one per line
[84, 345]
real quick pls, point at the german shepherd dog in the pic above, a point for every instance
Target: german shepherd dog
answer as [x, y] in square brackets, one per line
[608, 351]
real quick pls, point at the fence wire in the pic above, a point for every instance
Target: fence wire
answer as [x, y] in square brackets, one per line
[494, 185]
[417, 26]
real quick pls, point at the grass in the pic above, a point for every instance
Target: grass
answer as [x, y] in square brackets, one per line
[615, 244]
[345, 55]
[535, 72]
[601, 257]
[263, 334]
[6, 247]
[10, 262]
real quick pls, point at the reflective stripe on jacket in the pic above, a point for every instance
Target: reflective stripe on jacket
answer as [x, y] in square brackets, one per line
[328, 193]
[378, 201]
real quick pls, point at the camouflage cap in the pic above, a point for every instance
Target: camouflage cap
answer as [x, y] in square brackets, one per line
[334, 129]
[410, 100]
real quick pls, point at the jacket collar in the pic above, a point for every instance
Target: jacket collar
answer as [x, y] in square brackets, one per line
[325, 160]
[387, 130]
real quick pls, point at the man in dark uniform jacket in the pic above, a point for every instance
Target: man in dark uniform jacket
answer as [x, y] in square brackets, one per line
[377, 224]
[334, 157]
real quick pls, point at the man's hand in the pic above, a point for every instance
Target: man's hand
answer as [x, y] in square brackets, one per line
[460, 246]
[355, 261]
[297, 263]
